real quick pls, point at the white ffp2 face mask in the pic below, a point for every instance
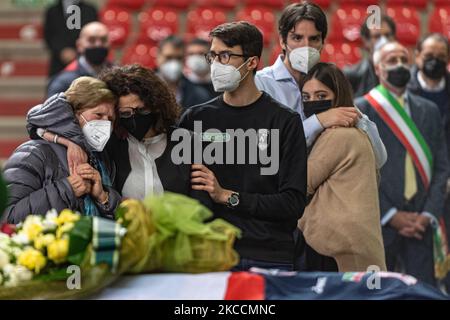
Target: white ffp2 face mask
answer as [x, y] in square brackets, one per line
[97, 133]
[304, 58]
[226, 77]
[172, 70]
[198, 64]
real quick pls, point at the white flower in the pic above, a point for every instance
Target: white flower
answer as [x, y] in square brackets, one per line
[49, 225]
[16, 251]
[12, 280]
[3, 237]
[4, 259]
[49, 222]
[8, 269]
[22, 273]
[32, 219]
[20, 238]
[51, 214]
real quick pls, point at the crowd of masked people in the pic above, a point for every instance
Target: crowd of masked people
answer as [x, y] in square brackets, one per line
[363, 152]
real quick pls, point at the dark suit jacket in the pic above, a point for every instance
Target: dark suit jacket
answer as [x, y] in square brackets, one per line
[192, 94]
[415, 88]
[62, 81]
[174, 178]
[362, 77]
[56, 34]
[426, 116]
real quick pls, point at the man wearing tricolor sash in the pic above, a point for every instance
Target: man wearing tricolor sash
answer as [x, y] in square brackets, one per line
[413, 180]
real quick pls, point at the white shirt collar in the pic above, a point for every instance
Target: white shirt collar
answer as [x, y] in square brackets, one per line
[425, 86]
[280, 71]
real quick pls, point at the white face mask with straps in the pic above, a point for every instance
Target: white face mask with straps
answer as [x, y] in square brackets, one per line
[226, 77]
[304, 58]
[97, 133]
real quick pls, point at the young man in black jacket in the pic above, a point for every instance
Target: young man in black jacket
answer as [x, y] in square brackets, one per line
[262, 195]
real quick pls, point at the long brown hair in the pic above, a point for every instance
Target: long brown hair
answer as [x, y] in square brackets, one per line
[144, 83]
[331, 76]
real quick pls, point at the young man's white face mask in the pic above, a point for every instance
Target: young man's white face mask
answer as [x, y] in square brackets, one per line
[97, 133]
[304, 58]
[226, 77]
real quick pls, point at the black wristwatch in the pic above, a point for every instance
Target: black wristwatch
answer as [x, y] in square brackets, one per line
[233, 200]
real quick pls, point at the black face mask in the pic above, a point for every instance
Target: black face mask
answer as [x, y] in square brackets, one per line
[96, 55]
[138, 125]
[434, 68]
[316, 107]
[399, 76]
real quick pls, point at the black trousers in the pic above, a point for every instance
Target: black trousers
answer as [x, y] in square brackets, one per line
[416, 256]
[309, 260]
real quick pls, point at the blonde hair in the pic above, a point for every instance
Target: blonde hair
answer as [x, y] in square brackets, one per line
[87, 92]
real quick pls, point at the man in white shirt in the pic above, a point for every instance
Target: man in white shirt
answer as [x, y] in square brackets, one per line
[302, 32]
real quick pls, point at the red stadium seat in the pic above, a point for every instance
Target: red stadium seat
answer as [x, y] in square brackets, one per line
[7, 147]
[118, 22]
[223, 4]
[16, 107]
[21, 31]
[439, 21]
[278, 4]
[441, 2]
[262, 17]
[181, 4]
[157, 23]
[11, 68]
[141, 53]
[130, 4]
[358, 2]
[346, 22]
[341, 54]
[408, 23]
[408, 3]
[201, 21]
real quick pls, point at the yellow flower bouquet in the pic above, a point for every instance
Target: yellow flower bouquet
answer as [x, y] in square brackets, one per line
[66, 255]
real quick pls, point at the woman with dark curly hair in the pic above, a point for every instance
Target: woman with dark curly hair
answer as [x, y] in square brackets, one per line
[141, 144]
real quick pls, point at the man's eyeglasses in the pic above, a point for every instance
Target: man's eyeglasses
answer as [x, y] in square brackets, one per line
[126, 113]
[224, 56]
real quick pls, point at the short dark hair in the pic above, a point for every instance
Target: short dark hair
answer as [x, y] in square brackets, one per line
[331, 76]
[364, 31]
[242, 34]
[297, 12]
[200, 42]
[144, 83]
[435, 36]
[173, 40]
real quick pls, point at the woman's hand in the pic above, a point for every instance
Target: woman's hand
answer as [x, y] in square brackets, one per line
[87, 172]
[79, 185]
[204, 179]
[76, 156]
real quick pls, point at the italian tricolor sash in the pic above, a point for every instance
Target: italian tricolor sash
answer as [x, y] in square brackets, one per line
[404, 128]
